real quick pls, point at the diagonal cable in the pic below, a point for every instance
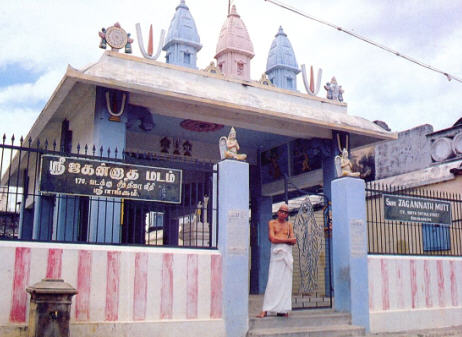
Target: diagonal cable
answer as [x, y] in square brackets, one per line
[413, 60]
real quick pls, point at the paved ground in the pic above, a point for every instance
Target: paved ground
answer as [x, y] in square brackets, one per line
[443, 332]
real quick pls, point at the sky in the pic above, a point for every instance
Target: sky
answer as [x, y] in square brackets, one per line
[40, 39]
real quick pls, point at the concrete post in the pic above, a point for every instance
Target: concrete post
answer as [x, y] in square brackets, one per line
[349, 239]
[233, 243]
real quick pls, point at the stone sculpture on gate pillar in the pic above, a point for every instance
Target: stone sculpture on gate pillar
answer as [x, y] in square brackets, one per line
[229, 147]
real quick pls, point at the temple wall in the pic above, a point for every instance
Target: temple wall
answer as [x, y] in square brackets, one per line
[414, 292]
[131, 291]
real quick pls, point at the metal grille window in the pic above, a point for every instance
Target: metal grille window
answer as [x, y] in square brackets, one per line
[436, 237]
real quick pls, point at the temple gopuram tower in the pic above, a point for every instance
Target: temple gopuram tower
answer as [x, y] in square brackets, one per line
[183, 41]
[234, 48]
[281, 66]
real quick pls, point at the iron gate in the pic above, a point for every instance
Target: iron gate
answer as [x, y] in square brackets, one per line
[27, 213]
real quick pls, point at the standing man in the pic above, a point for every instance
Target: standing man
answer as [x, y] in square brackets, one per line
[278, 293]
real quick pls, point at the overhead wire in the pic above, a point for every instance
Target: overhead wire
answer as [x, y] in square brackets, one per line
[362, 38]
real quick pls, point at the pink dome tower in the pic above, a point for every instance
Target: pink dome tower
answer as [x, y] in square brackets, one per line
[234, 48]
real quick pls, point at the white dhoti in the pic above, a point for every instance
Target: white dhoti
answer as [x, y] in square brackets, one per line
[278, 293]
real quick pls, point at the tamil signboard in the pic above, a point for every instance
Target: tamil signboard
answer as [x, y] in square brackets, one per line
[413, 209]
[80, 176]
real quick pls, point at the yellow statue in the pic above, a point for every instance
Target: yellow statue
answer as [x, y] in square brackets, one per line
[229, 147]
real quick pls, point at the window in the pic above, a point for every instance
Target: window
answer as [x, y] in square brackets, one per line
[436, 237]
[290, 83]
[167, 58]
[186, 58]
[240, 68]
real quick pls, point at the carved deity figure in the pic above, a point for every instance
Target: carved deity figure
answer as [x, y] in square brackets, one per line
[344, 166]
[229, 147]
[334, 91]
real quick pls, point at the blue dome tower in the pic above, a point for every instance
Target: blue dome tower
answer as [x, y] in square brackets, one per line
[182, 42]
[282, 67]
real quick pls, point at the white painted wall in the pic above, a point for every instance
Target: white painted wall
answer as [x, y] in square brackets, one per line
[120, 288]
[414, 292]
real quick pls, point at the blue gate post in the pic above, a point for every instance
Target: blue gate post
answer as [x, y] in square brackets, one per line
[349, 239]
[233, 243]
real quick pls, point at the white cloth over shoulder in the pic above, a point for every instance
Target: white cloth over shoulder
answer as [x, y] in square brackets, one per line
[278, 293]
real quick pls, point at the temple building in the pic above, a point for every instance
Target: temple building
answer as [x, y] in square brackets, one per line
[149, 186]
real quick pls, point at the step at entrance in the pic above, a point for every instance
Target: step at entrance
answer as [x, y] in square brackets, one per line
[306, 323]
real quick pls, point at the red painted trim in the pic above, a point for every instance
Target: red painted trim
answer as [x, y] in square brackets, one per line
[440, 273]
[192, 286]
[427, 284]
[413, 277]
[166, 295]
[385, 285]
[454, 293]
[216, 296]
[112, 286]
[400, 290]
[82, 299]
[140, 287]
[54, 263]
[20, 282]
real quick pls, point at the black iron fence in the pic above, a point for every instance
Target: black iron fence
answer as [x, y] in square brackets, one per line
[115, 213]
[413, 221]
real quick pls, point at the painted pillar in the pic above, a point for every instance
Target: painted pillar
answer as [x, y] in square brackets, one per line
[26, 222]
[349, 239]
[43, 217]
[233, 243]
[328, 175]
[261, 215]
[104, 217]
[66, 226]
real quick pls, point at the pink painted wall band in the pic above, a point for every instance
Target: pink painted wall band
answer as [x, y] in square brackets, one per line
[20, 282]
[140, 287]
[82, 299]
[112, 286]
[166, 295]
[192, 285]
[385, 285]
[54, 263]
[216, 297]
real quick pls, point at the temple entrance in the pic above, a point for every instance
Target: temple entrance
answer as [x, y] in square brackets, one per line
[311, 285]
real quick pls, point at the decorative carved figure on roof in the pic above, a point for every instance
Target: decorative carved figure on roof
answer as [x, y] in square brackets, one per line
[334, 91]
[265, 80]
[128, 46]
[213, 69]
[102, 35]
[116, 37]
[340, 93]
[229, 147]
[164, 144]
[310, 89]
[149, 54]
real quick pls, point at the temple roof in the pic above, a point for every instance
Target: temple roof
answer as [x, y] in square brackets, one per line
[234, 36]
[281, 53]
[182, 28]
[176, 91]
